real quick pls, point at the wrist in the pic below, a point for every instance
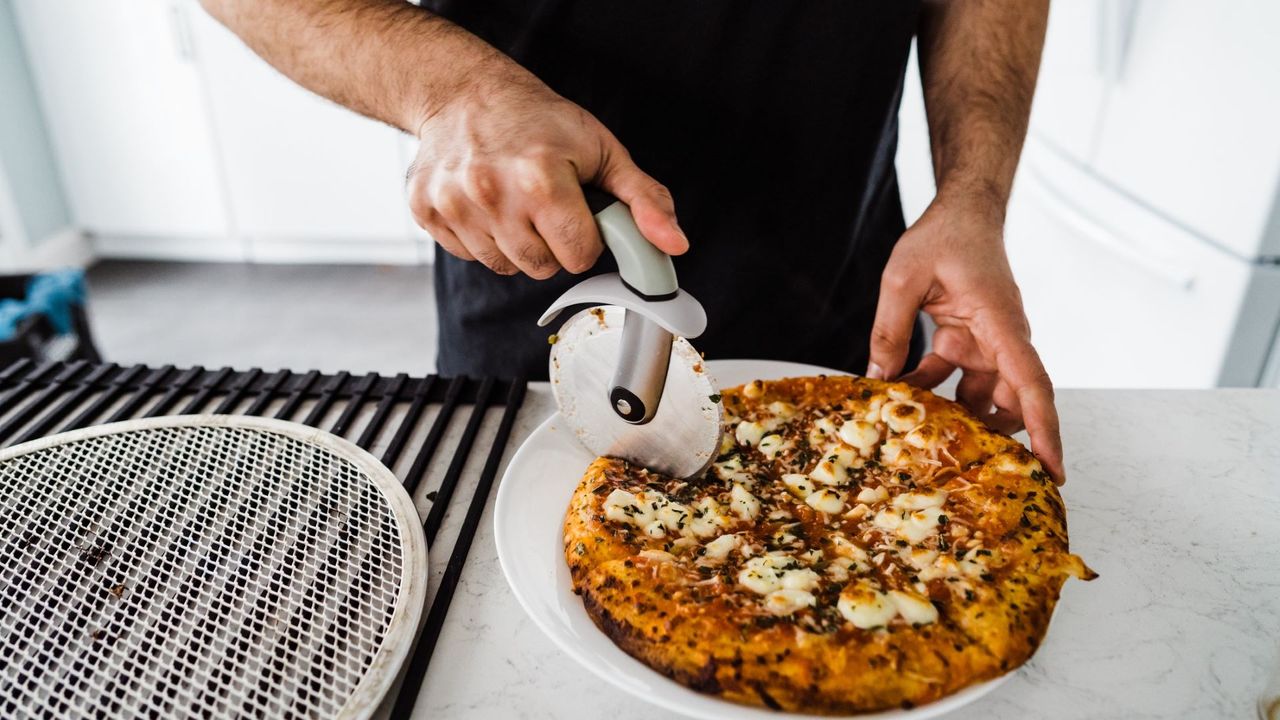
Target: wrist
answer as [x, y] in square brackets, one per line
[977, 200]
[469, 68]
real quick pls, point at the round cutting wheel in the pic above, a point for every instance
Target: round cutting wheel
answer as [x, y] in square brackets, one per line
[208, 566]
[683, 437]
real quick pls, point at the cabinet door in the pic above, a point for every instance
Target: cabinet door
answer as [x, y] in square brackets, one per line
[1116, 296]
[298, 167]
[1072, 85]
[1191, 123]
[124, 106]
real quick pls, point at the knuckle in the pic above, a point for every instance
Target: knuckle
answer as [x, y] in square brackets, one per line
[536, 259]
[420, 205]
[895, 281]
[494, 260]
[480, 183]
[533, 178]
[448, 202]
[580, 250]
[660, 193]
[885, 339]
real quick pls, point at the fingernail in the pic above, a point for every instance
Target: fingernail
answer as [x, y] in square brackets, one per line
[875, 372]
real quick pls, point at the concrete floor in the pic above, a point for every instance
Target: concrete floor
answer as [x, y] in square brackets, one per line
[326, 317]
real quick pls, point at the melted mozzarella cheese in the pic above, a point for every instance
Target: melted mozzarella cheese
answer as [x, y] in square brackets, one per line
[894, 452]
[674, 516]
[872, 495]
[648, 503]
[1010, 464]
[749, 432]
[925, 437]
[920, 525]
[920, 500]
[783, 411]
[759, 577]
[799, 579]
[873, 409]
[732, 470]
[838, 569]
[913, 608]
[743, 503]
[827, 501]
[849, 550]
[887, 520]
[655, 530]
[753, 390]
[861, 435]
[843, 455]
[859, 511]
[726, 444]
[615, 506]
[943, 567]
[899, 391]
[708, 518]
[657, 556]
[902, 416]
[823, 432]
[799, 485]
[771, 445]
[829, 472]
[765, 573]
[788, 601]
[865, 607]
[717, 550]
[918, 558]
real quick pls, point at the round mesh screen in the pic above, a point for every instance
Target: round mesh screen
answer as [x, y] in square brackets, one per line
[206, 571]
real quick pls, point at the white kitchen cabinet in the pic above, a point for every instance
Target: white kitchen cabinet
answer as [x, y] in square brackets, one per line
[1072, 84]
[123, 101]
[306, 178]
[1192, 123]
[1119, 297]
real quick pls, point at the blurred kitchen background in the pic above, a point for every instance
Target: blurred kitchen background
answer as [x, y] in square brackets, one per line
[228, 217]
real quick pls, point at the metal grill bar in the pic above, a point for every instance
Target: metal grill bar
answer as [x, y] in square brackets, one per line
[35, 399]
[421, 657]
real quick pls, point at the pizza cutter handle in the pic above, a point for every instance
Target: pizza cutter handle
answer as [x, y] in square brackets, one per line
[646, 270]
[641, 375]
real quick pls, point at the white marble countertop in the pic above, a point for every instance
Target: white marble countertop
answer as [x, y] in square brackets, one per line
[1172, 496]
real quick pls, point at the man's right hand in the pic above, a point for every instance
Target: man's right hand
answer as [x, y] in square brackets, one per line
[499, 175]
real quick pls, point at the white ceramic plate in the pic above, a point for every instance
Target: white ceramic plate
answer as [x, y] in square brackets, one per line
[528, 520]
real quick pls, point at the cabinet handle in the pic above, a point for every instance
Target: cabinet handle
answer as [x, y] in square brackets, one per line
[1067, 214]
[181, 28]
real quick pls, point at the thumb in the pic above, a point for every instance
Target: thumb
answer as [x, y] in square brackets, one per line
[650, 202]
[900, 299]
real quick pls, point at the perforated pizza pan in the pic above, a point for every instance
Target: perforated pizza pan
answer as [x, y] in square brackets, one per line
[203, 566]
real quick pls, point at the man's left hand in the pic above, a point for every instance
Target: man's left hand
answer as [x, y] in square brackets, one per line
[952, 265]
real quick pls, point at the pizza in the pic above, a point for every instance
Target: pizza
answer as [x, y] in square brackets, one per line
[856, 546]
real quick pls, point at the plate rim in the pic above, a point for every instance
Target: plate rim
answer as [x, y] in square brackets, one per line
[564, 641]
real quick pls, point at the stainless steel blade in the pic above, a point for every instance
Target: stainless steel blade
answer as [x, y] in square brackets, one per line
[682, 438]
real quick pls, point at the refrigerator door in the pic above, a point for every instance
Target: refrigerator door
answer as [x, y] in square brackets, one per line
[1191, 117]
[1118, 296]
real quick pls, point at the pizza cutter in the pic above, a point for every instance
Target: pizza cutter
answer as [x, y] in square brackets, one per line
[624, 375]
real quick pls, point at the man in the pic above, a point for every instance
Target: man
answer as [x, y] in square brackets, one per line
[773, 123]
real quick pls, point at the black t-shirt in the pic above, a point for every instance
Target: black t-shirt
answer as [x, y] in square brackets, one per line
[774, 124]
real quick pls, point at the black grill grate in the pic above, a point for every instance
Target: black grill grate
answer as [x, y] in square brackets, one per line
[387, 416]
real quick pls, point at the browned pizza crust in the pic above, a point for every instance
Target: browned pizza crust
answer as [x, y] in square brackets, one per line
[988, 557]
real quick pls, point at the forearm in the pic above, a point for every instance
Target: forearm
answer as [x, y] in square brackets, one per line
[385, 59]
[978, 66]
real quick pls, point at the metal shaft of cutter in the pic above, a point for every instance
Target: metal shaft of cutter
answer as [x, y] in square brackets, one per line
[641, 374]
